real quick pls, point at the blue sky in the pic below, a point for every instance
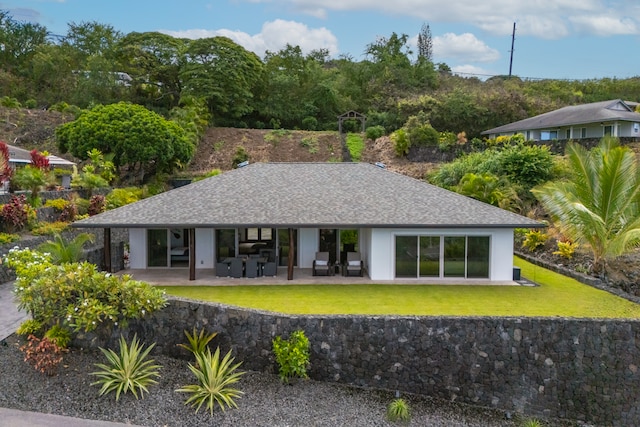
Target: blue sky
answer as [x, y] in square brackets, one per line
[564, 39]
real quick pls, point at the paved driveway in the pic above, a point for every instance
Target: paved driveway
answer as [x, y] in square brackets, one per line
[10, 317]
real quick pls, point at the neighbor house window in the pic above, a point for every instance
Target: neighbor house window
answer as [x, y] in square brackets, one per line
[568, 134]
[583, 132]
[607, 130]
[548, 135]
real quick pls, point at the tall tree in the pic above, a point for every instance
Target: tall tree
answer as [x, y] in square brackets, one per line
[18, 42]
[425, 43]
[600, 206]
[136, 137]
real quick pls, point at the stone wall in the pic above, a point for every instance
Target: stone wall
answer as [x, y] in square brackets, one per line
[556, 368]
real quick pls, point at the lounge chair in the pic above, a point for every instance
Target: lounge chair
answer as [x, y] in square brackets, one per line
[321, 265]
[354, 265]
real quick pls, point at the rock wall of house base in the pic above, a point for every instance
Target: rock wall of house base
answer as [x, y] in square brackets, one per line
[556, 368]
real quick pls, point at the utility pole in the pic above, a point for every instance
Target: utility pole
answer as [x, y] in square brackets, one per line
[513, 38]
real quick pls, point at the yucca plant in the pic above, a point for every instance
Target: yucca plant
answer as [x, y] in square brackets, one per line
[531, 422]
[197, 341]
[398, 410]
[127, 371]
[215, 378]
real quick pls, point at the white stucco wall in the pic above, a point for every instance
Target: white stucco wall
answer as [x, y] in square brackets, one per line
[382, 256]
[205, 253]
[308, 243]
[138, 248]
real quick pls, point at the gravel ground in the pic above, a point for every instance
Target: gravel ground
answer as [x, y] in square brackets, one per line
[266, 401]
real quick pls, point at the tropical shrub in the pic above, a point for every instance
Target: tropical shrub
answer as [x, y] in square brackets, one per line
[599, 207]
[96, 205]
[77, 295]
[215, 379]
[398, 410]
[566, 249]
[401, 143]
[198, 342]
[310, 123]
[57, 204]
[33, 179]
[62, 251]
[60, 335]
[123, 196]
[30, 327]
[43, 354]
[15, 214]
[526, 165]
[292, 355]
[49, 228]
[534, 239]
[8, 238]
[129, 370]
[423, 135]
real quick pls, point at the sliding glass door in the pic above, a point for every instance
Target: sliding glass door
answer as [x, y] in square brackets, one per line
[442, 256]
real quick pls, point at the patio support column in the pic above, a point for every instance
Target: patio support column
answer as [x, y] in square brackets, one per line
[192, 254]
[107, 250]
[292, 254]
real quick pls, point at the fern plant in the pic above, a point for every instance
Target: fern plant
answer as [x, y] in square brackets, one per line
[215, 380]
[127, 371]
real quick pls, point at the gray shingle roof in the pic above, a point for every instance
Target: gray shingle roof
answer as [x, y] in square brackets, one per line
[595, 112]
[308, 195]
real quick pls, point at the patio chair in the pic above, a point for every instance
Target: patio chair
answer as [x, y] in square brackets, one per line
[354, 265]
[235, 268]
[222, 269]
[251, 268]
[270, 269]
[321, 265]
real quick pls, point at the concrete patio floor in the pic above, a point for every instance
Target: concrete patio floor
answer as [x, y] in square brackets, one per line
[303, 276]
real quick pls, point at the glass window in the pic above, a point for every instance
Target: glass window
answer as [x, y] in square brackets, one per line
[454, 256]
[225, 243]
[548, 135]
[478, 257]
[608, 130]
[583, 132]
[266, 234]
[157, 248]
[429, 256]
[252, 234]
[406, 256]
[348, 243]
[568, 134]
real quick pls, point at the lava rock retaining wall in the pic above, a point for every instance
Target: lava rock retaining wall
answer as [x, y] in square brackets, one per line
[557, 368]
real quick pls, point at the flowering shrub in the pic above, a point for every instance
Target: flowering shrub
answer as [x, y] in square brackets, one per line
[77, 295]
[97, 205]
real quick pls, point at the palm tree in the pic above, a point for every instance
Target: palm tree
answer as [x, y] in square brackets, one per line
[600, 206]
[62, 251]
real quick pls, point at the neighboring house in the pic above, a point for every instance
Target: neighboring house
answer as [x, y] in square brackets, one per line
[402, 227]
[19, 157]
[616, 118]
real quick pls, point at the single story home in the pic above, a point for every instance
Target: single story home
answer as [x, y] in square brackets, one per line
[616, 118]
[401, 227]
[19, 157]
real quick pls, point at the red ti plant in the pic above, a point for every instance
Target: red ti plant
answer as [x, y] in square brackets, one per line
[5, 169]
[39, 160]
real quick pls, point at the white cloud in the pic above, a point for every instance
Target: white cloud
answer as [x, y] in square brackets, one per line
[463, 47]
[547, 19]
[605, 25]
[273, 37]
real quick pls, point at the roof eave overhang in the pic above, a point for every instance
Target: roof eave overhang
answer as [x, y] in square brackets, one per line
[346, 226]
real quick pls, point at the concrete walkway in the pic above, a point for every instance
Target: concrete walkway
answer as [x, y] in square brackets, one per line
[10, 317]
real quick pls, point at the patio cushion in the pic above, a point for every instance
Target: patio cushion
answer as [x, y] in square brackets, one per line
[321, 262]
[354, 263]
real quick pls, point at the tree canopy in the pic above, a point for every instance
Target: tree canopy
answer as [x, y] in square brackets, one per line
[134, 136]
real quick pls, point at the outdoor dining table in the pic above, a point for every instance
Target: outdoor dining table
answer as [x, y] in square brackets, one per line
[260, 260]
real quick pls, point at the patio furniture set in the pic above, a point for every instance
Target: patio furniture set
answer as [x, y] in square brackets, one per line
[353, 266]
[251, 266]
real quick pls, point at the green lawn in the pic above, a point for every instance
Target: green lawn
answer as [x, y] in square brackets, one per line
[557, 296]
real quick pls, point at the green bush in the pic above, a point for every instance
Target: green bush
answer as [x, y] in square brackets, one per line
[292, 355]
[127, 371]
[215, 379]
[8, 237]
[398, 410]
[77, 295]
[29, 327]
[526, 165]
[424, 135]
[123, 196]
[60, 335]
[309, 123]
[534, 239]
[57, 204]
[401, 142]
[566, 249]
[375, 132]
